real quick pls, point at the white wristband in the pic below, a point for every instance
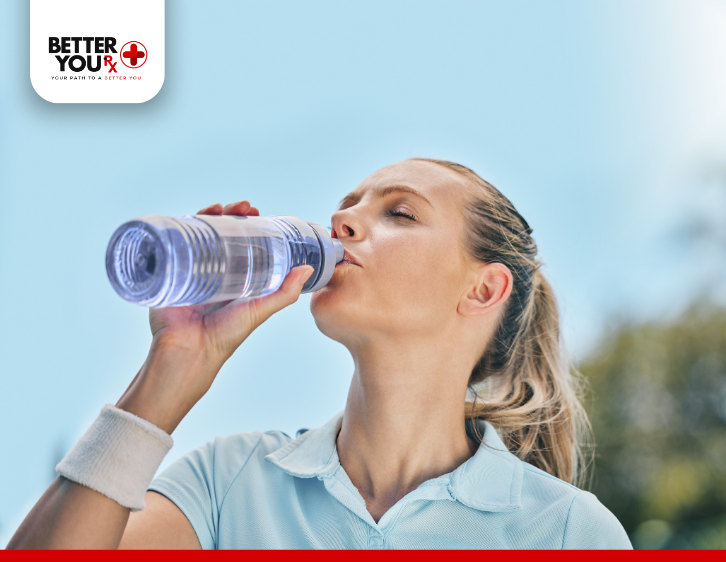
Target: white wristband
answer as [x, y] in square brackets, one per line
[118, 456]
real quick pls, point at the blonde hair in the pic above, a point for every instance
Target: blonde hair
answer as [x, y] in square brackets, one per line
[524, 384]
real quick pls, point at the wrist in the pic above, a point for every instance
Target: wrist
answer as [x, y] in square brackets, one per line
[117, 456]
[170, 382]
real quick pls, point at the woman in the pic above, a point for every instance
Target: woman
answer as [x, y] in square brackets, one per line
[453, 331]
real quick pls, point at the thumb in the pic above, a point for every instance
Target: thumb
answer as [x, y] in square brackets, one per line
[287, 294]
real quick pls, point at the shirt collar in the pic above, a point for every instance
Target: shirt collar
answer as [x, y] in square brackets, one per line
[491, 480]
[314, 453]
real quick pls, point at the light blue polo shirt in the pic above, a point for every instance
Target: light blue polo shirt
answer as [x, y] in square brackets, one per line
[266, 490]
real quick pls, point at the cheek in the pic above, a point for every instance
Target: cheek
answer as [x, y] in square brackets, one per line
[418, 278]
[409, 283]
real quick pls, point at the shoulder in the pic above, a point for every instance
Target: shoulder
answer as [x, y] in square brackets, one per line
[219, 461]
[586, 522]
[203, 475]
[232, 452]
[592, 525]
[537, 482]
[198, 481]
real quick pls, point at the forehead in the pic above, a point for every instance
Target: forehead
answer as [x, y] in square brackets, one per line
[427, 177]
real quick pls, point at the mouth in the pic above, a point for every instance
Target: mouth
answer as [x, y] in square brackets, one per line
[348, 259]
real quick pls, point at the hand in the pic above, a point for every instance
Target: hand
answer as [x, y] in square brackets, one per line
[189, 347]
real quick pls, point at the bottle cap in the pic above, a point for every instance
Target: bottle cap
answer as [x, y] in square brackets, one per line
[332, 251]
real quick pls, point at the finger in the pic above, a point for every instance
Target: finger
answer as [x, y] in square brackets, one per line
[239, 208]
[253, 212]
[215, 209]
[287, 294]
[239, 320]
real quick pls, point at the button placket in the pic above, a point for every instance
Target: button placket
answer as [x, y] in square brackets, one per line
[375, 539]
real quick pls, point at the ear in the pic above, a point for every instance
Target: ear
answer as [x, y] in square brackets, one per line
[490, 288]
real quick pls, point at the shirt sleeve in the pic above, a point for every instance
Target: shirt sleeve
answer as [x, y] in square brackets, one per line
[198, 482]
[590, 525]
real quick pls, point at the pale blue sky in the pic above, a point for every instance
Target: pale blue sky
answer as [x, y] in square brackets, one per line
[594, 118]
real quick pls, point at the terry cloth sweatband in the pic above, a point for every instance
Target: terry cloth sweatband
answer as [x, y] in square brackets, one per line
[118, 456]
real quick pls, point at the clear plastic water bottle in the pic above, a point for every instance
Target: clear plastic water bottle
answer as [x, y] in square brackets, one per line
[160, 261]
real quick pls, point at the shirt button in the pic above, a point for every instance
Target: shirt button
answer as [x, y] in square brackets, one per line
[375, 541]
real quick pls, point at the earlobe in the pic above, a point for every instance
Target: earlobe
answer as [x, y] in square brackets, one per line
[490, 288]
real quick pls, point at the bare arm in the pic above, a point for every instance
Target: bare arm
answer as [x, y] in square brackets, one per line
[161, 525]
[69, 515]
[100, 523]
[188, 349]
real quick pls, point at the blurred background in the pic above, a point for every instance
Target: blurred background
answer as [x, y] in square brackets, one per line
[603, 121]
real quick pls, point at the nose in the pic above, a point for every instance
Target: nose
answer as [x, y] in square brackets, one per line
[345, 224]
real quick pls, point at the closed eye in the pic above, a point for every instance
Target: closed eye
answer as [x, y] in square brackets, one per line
[397, 213]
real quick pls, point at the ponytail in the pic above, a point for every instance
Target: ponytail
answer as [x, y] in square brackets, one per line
[531, 397]
[524, 384]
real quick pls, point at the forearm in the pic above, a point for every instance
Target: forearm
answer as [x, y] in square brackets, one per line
[70, 515]
[168, 385]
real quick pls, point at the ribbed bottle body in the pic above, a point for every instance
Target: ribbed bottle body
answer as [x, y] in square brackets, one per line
[160, 261]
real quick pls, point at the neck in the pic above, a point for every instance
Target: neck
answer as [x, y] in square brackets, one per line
[404, 419]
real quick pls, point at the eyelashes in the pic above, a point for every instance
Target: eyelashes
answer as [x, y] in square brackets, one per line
[396, 213]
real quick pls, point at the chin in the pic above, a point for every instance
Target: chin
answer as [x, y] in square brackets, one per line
[336, 307]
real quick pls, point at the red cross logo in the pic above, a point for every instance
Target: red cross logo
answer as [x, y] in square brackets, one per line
[133, 54]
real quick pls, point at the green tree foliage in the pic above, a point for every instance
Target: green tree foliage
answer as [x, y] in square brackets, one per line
[658, 409]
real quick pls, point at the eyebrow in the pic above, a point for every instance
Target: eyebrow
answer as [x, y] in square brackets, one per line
[383, 192]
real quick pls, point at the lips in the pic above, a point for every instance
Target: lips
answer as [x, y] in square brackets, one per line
[348, 259]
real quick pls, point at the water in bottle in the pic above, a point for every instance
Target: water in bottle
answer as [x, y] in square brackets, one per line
[160, 261]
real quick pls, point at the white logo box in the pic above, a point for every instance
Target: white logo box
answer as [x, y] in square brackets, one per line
[84, 35]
